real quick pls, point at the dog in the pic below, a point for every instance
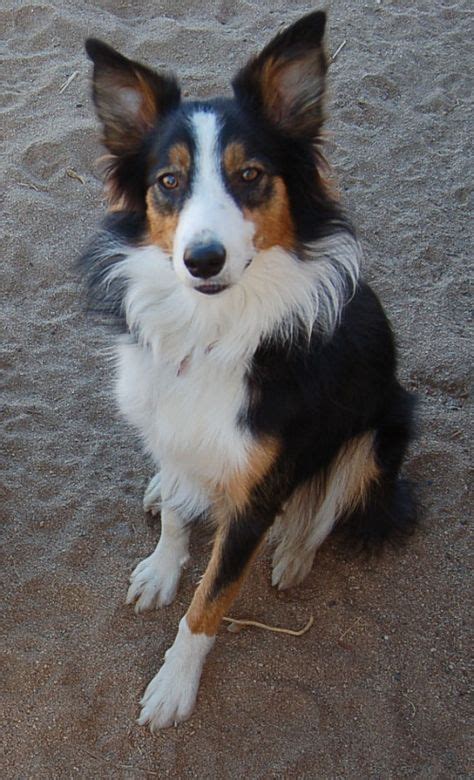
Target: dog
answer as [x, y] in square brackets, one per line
[257, 365]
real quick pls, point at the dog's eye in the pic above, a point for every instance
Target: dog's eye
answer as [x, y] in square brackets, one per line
[168, 181]
[250, 174]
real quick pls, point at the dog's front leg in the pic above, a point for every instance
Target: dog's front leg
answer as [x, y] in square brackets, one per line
[171, 695]
[154, 582]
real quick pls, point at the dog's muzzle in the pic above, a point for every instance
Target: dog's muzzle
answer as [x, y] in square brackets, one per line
[205, 261]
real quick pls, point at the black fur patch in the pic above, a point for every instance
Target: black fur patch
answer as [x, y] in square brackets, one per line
[105, 299]
[316, 400]
[313, 401]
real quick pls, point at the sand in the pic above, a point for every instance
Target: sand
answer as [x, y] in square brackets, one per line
[378, 687]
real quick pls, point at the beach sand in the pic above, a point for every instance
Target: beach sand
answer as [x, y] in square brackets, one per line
[377, 688]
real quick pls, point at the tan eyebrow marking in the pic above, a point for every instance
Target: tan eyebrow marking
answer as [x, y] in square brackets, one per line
[180, 157]
[234, 157]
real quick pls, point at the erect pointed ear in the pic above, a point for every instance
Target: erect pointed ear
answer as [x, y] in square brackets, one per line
[286, 80]
[129, 97]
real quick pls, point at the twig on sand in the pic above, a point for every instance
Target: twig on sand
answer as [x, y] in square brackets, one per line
[338, 50]
[68, 81]
[351, 628]
[73, 174]
[410, 703]
[29, 186]
[122, 766]
[236, 625]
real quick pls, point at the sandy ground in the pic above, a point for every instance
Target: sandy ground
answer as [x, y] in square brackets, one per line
[378, 688]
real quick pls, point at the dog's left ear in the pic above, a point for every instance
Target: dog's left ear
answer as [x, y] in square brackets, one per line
[286, 80]
[129, 97]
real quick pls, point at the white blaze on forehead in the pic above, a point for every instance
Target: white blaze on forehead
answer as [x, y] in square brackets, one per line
[210, 213]
[208, 177]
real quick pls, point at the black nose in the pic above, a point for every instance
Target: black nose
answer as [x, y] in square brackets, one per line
[204, 260]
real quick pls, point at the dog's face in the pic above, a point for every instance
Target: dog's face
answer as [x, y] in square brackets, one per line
[204, 186]
[217, 182]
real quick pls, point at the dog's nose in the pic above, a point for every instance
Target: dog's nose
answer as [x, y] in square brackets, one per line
[204, 260]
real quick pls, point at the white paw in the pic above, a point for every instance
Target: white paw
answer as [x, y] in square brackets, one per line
[171, 695]
[155, 580]
[152, 497]
[289, 570]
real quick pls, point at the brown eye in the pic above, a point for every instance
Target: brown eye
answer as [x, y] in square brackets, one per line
[168, 181]
[251, 174]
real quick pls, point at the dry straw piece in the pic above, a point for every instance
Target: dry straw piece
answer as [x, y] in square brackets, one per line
[237, 625]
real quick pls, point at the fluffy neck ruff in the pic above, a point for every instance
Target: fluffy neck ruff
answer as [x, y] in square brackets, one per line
[279, 296]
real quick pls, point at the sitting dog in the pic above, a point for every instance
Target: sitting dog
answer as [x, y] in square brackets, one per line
[257, 365]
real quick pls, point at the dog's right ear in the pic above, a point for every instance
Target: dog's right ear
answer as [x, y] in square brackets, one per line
[286, 81]
[129, 98]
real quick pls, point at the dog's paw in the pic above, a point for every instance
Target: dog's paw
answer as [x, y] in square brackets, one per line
[155, 580]
[289, 570]
[152, 497]
[170, 697]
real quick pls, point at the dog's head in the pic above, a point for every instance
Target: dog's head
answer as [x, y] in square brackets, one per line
[217, 182]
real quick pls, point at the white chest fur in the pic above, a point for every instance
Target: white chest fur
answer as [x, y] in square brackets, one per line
[183, 383]
[187, 411]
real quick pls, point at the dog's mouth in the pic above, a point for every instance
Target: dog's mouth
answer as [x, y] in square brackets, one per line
[214, 288]
[211, 288]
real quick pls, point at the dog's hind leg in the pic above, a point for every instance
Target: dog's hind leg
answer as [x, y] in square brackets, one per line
[152, 496]
[388, 512]
[314, 508]
[293, 535]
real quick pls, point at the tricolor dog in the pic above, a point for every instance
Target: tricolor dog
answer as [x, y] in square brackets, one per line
[257, 365]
